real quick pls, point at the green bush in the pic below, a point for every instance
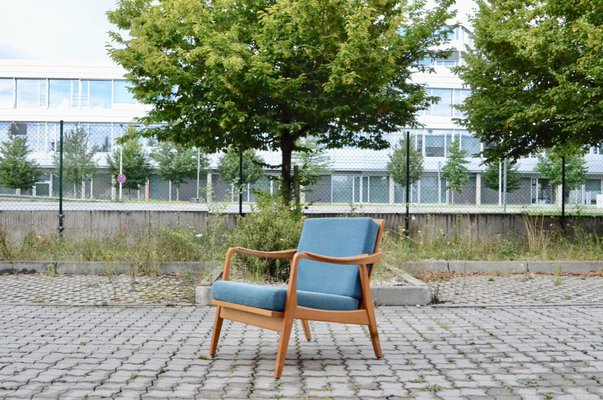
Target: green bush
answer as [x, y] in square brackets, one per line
[272, 226]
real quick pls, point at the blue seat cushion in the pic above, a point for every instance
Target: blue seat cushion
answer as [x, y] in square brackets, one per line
[274, 297]
[335, 237]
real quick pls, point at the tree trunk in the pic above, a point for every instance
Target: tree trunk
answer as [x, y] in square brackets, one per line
[287, 147]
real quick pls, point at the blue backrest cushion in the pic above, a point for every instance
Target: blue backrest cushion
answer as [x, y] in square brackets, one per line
[335, 237]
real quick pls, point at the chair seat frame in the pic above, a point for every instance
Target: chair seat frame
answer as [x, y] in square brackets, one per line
[282, 321]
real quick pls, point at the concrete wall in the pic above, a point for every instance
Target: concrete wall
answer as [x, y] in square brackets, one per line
[468, 226]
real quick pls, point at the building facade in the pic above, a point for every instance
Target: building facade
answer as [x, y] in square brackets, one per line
[35, 96]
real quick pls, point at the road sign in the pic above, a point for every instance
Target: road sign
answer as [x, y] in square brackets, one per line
[121, 178]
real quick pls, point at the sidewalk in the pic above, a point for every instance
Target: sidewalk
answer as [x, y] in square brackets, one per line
[435, 352]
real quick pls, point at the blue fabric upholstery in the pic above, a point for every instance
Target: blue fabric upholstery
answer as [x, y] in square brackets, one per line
[259, 296]
[335, 237]
[324, 301]
[274, 297]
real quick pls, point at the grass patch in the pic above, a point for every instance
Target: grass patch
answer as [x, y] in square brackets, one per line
[272, 228]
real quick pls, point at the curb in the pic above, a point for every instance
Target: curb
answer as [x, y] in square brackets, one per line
[100, 268]
[413, 293]
[463, 266]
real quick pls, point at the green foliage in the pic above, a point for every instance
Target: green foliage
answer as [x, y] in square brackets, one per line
[178, 163]
[253, 167]
[78, 157]
[536, 75]
[455, 171]
[550, 164]
[135, 164]
[396, 166]
[492, 173]
[273, 226]
[16, 171]
[263, 74]
[311, 160]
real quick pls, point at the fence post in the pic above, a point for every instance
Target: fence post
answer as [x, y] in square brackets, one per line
[407, 217]
[61, 215]
[563, 188]
[241, 182]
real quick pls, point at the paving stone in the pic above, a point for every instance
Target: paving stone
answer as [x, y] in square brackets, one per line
[154, 352]
[525, 288]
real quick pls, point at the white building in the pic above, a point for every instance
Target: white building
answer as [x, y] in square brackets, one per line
[35, 96]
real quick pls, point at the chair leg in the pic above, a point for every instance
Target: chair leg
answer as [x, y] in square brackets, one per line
[373, 331]
[282, 346]
[216, 332]
[307, 332]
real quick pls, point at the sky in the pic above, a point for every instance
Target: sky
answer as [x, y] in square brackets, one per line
[74, 30]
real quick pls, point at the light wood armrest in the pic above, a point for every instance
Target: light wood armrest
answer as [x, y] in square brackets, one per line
[353, 260]
[266, 254]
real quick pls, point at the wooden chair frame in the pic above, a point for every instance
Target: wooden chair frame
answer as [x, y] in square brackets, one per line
[283, 321]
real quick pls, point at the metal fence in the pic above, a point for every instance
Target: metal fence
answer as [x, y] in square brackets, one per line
[347, 180]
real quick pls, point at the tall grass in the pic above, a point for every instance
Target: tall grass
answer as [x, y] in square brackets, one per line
[538, 243]
[271, 229]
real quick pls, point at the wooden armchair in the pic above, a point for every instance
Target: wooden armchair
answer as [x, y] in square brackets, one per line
[329, 281]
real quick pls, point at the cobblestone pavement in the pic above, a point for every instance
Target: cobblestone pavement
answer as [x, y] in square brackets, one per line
[429, 352]
[520, 289]
[95, 289]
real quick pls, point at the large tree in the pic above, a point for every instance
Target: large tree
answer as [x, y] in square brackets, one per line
[396, 166]
[535, 74]
[178, 163]
[263, 74]
[16, 170]
[78, 158]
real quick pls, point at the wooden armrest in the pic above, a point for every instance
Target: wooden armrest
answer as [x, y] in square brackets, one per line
[266, 254]
[353, 260]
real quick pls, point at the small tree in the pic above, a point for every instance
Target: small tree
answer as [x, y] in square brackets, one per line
[455, 171]
[492, 173]
[78, 158]
[135, 164]
[310, 163]
[396, 166]
[16, 171]
[550, 164]
[228, 166]
[178, 163]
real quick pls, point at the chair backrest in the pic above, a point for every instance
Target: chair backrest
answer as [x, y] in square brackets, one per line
[335, 237]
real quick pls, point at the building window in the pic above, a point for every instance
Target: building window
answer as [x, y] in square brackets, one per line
[36, 136]
[6, 93]
[541, 191]
[434, 143]
[459, 97]
[400, 193]
[592, 188]
[31, 93]
[432, 191]
[122, 93]
[100, 137]
[359, 189]
[470, 144]
[100, 94]
[60, 94]
[342, 187]
[443, 108]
